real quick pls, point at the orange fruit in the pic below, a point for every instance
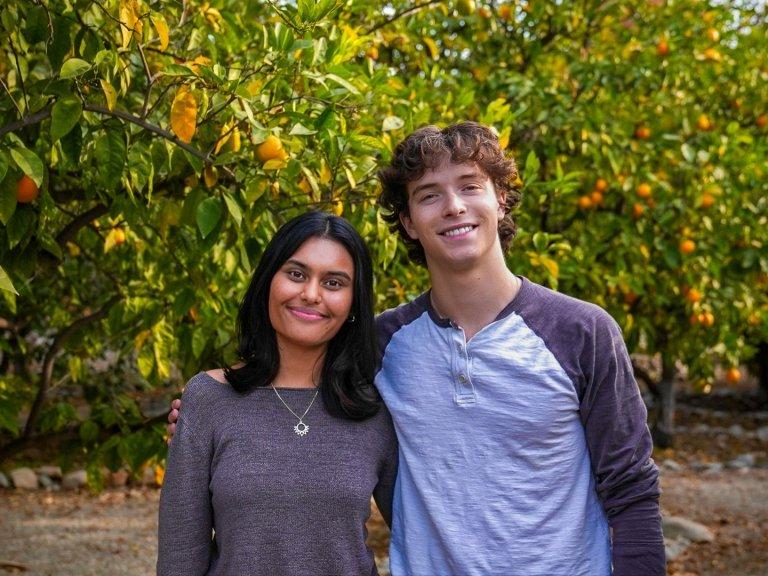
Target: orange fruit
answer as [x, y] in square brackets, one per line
[372, 53]
[637, 210]
[642, 132]
[733, 375]
[707, 319]
[694, 319]
[713, 35]
[704, 123]
[26, 190]
[693, 296]
[687, 246]
[601, 185]
[630, 297]
[597, 198]
[505, 11]
[707, 200]
[271, 149]
[585, 202]
[762, 121]
[119, 236]
[662, 48]
[713, 55]
[644, 190]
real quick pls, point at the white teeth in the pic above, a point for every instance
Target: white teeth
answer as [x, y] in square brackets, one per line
[457, 231]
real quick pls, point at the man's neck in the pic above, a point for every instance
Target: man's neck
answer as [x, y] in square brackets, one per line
[473, 298]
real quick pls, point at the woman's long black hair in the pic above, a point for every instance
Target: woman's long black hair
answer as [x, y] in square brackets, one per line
[346, 380]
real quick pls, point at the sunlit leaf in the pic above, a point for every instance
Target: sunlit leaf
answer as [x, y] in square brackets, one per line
[158, 20]
[74, 67]
[184, 114]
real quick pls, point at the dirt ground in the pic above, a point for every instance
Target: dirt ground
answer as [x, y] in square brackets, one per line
[52, 534]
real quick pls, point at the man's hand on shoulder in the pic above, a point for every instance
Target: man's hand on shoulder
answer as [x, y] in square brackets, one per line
[173, 417]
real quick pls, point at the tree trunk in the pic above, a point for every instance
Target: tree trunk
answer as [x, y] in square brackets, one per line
[664, 429]
[762, 370]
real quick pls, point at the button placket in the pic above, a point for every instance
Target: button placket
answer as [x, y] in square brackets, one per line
[464, 392]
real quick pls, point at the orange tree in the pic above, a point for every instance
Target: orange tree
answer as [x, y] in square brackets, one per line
[149, 150]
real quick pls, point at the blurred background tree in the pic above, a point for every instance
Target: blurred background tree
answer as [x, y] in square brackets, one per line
[149, 150]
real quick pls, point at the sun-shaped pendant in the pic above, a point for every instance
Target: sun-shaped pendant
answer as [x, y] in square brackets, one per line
[301, 429]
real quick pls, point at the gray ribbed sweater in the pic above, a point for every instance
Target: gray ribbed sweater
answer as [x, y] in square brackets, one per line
[279, 504]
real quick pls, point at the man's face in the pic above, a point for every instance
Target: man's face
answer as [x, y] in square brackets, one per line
[454, 212]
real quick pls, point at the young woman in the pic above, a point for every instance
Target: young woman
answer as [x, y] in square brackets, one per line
[274, 460]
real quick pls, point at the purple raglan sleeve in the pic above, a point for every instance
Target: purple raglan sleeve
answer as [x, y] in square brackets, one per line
[589, 346]
[615, 421]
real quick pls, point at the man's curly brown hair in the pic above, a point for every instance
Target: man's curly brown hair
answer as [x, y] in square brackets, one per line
[425, 149]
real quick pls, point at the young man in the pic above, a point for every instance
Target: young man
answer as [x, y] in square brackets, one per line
[524, 448]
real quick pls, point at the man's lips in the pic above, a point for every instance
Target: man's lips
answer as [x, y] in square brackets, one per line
[306, 313]
[458, 230]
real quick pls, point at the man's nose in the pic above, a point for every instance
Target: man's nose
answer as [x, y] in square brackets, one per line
[453, 204]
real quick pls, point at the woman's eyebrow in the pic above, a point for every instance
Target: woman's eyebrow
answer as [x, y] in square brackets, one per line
[300, 264]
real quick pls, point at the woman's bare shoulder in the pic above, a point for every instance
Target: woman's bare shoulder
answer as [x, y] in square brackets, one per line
[218, 375]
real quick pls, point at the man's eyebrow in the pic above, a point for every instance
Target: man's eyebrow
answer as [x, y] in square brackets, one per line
[300, 264]
[472, 175]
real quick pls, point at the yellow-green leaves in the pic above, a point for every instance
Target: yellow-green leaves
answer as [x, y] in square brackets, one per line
[131, 25]
[109, 94]
[158, 21]
[184, 114]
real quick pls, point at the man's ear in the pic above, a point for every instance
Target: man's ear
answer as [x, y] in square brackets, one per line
[501, 197]
[405, 220]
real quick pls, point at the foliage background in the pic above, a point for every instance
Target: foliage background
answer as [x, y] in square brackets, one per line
[141, 123]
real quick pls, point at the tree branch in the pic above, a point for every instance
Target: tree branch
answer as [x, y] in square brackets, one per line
[70, 230]
[35, 118]
[50, 358]
[401, 14]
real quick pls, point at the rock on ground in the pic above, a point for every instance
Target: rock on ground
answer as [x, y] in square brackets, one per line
[24, 479]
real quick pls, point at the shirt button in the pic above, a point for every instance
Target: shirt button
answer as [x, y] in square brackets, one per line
[462, 379]
[459, 347]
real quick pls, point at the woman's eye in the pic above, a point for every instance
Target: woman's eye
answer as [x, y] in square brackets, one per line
[334, 284]
[295, 274]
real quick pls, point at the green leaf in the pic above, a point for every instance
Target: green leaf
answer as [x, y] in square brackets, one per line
[74, 67]
[301, 130]
[89, 431]
[7, 202]
[532, 166]
[234, 208]
[65, 115]
[29, 163]
[5, 282]
[3, 165]
[392, 123]
[209, 212]
[110, 154]
[61, 41]
[345, 83]
[50, 245]
[199, 341]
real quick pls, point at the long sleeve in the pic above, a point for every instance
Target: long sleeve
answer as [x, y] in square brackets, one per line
[186, 518]
[620, 445]
[385, 488]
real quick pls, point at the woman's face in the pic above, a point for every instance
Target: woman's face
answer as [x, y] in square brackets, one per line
[310, 296]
